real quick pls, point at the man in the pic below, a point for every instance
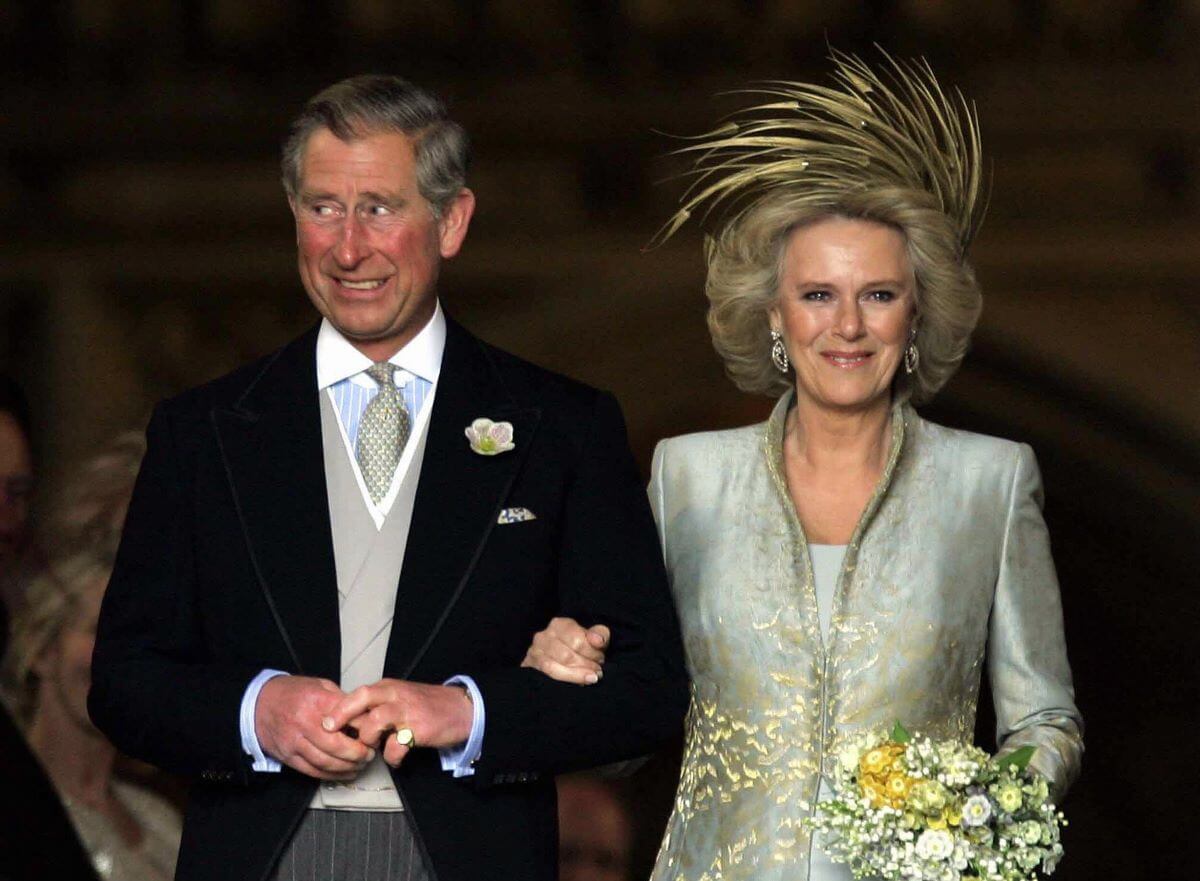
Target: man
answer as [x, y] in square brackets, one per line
[341, 513]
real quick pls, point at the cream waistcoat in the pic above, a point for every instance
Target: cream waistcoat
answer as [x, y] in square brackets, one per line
[368, 565]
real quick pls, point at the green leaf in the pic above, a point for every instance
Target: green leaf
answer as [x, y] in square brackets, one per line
[900, 734]
[1018, 759]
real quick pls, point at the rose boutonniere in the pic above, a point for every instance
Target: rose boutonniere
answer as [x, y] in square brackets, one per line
[489, 438]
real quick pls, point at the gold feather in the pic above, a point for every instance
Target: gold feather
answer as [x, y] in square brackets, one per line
[894, 126]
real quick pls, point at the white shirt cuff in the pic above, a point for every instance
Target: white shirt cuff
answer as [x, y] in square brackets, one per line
[250, 744]
[459, 760]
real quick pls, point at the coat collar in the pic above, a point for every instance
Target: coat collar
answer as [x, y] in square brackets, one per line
[270, 440]
[459, 496]
[772, 446]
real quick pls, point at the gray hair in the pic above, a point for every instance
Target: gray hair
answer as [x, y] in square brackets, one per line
[373, 103]
[745, 261]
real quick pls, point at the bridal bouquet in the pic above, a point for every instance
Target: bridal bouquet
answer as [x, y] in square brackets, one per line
[907, 807]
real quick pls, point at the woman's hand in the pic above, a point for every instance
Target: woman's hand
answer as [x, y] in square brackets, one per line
[569, 653]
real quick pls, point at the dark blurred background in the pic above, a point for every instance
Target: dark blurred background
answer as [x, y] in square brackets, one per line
[145, 246]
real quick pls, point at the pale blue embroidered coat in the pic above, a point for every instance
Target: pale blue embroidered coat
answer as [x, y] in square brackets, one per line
[949, 569]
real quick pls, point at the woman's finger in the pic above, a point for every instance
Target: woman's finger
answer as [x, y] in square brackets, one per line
[567, 673]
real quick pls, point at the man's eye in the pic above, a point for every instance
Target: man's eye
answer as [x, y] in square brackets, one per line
[379, 210]
[322, 210]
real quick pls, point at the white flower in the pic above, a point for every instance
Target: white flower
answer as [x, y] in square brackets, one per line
[849, 756]
[976, 811]
[935, 844]
[1031, 831]
[489, 438]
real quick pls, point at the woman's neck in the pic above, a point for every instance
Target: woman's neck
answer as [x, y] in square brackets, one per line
[826, 438]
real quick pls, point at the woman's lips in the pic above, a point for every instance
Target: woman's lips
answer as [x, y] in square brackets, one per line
[847, 360]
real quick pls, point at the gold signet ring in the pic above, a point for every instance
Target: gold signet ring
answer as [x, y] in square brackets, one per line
[405, 737]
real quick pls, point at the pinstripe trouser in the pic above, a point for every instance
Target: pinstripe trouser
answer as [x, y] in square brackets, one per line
[352, 846]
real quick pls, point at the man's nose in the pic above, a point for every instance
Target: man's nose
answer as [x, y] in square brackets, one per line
[352, 246]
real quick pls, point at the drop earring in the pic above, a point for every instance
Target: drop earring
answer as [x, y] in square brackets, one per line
[779, 352]
[912, 355]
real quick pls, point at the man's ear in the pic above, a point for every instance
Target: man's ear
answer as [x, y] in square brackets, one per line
[456, 217]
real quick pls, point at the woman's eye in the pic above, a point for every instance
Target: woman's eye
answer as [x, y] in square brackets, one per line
[817, 296]
[881, 296]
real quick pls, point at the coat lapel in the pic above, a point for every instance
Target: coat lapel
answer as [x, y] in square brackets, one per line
[270, 441]
[459, 496]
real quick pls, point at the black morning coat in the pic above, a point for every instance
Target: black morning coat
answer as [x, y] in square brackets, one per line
[226, 568]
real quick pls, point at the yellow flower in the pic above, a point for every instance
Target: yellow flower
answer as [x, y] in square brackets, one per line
[881, 758]
[875, 791]
[898, 785]
[873, 761]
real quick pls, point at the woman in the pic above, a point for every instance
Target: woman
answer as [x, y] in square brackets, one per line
[845, 564]
[129, 832]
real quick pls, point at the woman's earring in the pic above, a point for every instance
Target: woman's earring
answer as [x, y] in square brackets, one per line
[912, 356]
[779, 352]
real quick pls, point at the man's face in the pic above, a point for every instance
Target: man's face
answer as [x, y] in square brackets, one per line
[370, 246]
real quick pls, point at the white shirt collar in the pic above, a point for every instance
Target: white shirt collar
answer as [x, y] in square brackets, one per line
[337, 359]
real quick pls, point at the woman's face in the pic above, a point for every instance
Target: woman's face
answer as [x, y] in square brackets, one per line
[845, 307]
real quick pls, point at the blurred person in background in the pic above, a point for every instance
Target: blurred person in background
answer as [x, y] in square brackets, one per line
[16, 492]
[595, 830]
[37, 839]
[846, 564]
[128, 831]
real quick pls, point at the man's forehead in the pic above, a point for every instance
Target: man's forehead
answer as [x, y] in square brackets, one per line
[383, 156]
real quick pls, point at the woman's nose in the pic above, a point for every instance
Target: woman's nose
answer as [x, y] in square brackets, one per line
[849, 319]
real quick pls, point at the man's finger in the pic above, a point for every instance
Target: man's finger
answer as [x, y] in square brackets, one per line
[352, 705]
[393, 752]
[342, 746]
[375, 725]
[300, 763]
[324, 761]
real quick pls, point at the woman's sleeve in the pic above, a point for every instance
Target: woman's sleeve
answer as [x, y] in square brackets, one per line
[1028, 669]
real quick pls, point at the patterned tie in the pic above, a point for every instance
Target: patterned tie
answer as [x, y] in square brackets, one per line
[382, 433]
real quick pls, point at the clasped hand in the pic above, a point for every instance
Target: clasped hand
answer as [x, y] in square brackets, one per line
[312, 726]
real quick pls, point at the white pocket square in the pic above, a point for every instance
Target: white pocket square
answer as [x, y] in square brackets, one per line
[515, 515]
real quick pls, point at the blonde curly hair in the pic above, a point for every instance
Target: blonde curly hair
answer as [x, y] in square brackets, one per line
[52, 602]
[81, 547]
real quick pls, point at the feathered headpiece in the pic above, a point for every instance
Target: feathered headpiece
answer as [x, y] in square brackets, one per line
[895, 128]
